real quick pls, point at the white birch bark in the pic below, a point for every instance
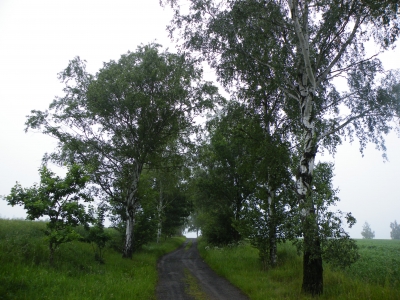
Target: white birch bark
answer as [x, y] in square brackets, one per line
[159, 214]
[307, 88]
[312, 259]
[130, 210]
[273, 256]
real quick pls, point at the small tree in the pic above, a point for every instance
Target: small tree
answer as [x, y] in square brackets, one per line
[367, 233]
[395, 233]
[59, 200]
[97, 236]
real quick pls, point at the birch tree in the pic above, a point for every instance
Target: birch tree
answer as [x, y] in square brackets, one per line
[123, 117]
[298, 49]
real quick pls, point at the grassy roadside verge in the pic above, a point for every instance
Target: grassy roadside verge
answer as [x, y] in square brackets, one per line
[240, 266]
[26, 274]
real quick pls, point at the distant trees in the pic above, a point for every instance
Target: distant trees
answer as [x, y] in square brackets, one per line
[367, 233]
[164, 192]
[395, 233]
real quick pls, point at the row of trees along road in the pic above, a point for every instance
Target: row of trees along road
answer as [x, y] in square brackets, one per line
[281, 59]
[135, 114]
[253, 173]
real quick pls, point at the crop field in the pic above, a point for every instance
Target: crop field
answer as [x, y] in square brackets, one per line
[379, 262]
[374, 276]
[25, 272]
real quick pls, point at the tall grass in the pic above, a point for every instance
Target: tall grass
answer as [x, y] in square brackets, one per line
[379, 262]
[241, 266]
[25, 272]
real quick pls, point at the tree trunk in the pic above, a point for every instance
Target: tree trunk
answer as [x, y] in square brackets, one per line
[130, 222]
[312, 259]
[312, 256]
[159, 214]
[130, 210]
[159, 228]
[273, 256]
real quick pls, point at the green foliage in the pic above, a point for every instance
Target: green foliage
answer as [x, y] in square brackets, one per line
[58, 199]
[175, 214]
[164, 192]
[145, 229]
[367, 232]
[217, 227]
[337, 248]
[125, 117]
[235, 176]
[281, 58]
[97, 235]
[395, 233]
[25, 272]
[341, 252]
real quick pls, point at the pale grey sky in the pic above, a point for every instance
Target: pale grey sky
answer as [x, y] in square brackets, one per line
[38, 38]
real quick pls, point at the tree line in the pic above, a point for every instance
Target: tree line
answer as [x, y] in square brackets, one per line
[367, 232]
[250, 171]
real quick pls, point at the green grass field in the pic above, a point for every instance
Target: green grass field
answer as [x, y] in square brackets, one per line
[374, 276]
[25, 272]
[379, 262]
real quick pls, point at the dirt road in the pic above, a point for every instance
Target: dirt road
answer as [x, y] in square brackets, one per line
[182, 271]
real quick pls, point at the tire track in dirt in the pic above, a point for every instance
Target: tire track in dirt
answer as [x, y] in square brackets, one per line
[173, 286]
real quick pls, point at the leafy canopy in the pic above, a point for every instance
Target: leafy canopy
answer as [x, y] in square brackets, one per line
[59, 199]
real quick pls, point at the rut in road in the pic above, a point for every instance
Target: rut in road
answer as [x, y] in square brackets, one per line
[173, 284]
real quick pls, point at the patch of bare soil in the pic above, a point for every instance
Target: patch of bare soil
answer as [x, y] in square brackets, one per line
[183, 275]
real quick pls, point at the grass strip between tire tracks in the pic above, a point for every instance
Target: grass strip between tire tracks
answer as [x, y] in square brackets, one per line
[193, 287]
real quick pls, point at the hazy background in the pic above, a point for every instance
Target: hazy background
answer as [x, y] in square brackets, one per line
[37, 40]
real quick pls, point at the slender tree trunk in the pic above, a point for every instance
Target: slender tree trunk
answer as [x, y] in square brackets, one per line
[159, 214]
[130, 210]
[130, 223]
[159, 227]
[273, 256]
[239, 204]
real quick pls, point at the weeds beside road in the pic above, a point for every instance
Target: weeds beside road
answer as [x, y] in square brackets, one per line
[25, 272]
[374, 276]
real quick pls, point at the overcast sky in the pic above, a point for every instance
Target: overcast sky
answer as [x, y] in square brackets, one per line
[37, 40]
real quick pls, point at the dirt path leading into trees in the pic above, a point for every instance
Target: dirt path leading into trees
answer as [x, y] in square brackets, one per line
[183, 275]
